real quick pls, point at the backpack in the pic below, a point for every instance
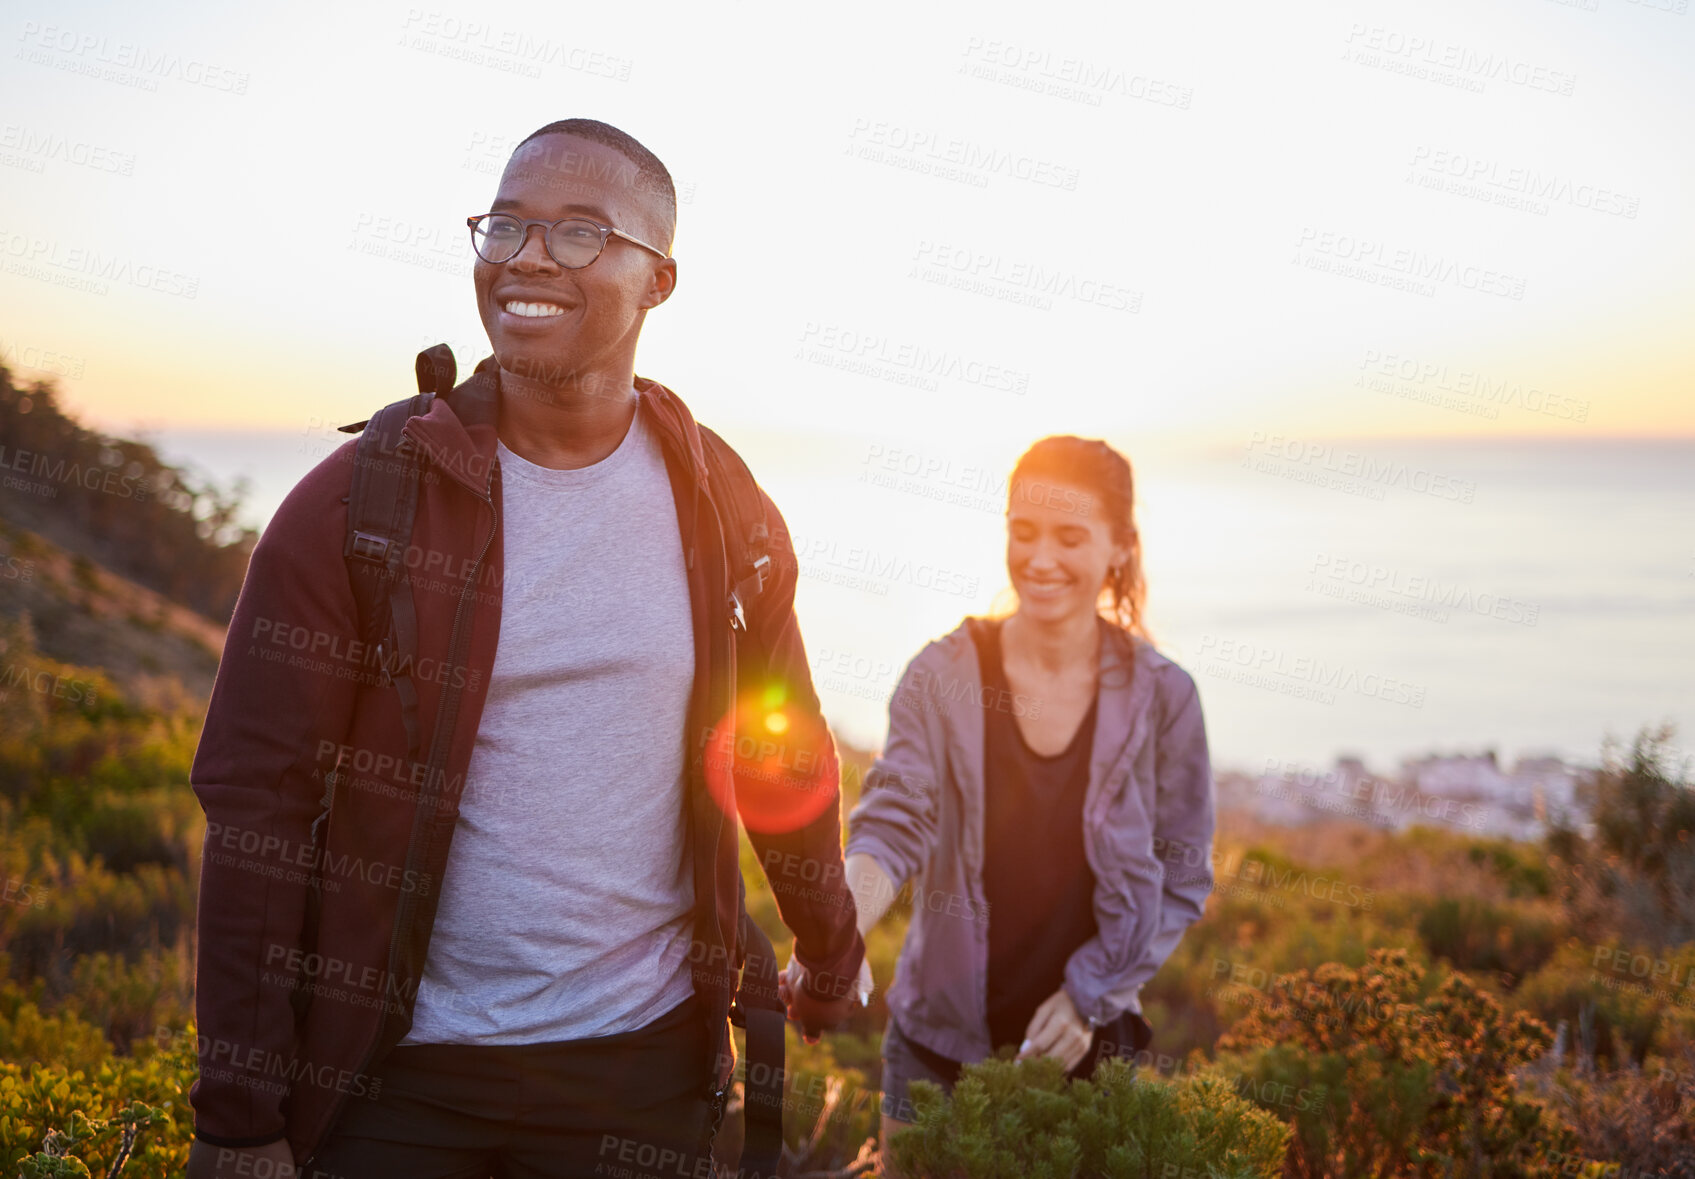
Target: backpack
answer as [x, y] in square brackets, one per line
[381, 507]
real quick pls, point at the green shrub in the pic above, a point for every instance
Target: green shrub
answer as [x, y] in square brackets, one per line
[1023, 1120]
[1519, 867]
[27, 1034]
[1248, 927]
[46, 1098]
[58, 1156]
[90, 910]
[128, 831]
[1642, 1118]
[1635, 878]
[1473, 934]
[1411, 1084]
[1622, 1015]
[128, 1001]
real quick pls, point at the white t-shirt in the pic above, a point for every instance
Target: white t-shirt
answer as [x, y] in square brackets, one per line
[567, 902]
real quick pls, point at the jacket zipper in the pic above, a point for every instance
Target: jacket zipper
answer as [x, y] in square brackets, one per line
[723, 668]
[713, 652]
[447, 713]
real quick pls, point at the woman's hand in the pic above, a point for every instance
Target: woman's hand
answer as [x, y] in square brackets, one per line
[1057, 1030]
[812, 1014]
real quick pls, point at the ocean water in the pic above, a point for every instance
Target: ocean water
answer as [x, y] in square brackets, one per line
[1384, 599]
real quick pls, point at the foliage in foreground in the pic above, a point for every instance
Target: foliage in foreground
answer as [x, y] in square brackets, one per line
[1411, 1083]
[1642, 1115]
[1023, 1120]
[46, 1108]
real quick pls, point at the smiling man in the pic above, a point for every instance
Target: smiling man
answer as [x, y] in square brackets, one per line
[586, 641]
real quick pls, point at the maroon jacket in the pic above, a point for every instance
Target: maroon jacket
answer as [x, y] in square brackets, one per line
[296, 698]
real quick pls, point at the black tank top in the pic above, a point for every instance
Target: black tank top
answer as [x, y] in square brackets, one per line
[1036, 878]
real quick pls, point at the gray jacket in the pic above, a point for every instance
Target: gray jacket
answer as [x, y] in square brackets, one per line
[1148, 818]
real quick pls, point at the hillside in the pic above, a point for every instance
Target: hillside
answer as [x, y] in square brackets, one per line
[162, 653]
[119, 560]
[115, 502]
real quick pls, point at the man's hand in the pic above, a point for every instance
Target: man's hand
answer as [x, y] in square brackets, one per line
[1057, 1030]
[274, 1160]
[816, 1015]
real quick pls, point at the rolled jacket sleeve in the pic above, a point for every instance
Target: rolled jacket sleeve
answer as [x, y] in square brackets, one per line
[1182, 848]
[895, 822]
[803, 864]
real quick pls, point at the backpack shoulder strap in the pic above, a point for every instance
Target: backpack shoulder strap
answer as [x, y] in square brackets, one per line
[381, 506]
[759, 1012]
[747, 525]
[382, 502]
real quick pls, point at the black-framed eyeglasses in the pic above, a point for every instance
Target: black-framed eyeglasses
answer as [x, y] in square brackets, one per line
[573, 242]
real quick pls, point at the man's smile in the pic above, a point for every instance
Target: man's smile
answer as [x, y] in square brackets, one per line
[532, 310]
[518, 307]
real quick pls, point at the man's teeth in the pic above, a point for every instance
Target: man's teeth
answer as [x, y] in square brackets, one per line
[534, 310]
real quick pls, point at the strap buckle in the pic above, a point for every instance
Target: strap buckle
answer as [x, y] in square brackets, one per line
[761, 570]
[752, 585]
[368, 546]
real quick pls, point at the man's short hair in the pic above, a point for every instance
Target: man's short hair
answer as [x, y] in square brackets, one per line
[651, 178]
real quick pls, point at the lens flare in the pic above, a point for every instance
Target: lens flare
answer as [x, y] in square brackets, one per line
[774, 763]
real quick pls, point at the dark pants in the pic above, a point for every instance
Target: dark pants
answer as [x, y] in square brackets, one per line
[629, 1106]
[905, 1060]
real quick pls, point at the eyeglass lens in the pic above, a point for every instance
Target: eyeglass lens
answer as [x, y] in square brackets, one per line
[573, 244]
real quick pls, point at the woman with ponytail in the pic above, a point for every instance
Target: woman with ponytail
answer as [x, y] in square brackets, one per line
[1046, 789]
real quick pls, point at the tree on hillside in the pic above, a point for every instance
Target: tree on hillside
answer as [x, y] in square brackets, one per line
[114, 500]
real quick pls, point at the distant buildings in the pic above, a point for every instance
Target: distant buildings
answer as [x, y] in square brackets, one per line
[1469, 793]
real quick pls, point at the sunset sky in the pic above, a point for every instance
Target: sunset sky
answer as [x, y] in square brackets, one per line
[272, 201]
[913, 239]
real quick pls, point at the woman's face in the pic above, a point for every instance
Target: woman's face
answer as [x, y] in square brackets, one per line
[1059, 546]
